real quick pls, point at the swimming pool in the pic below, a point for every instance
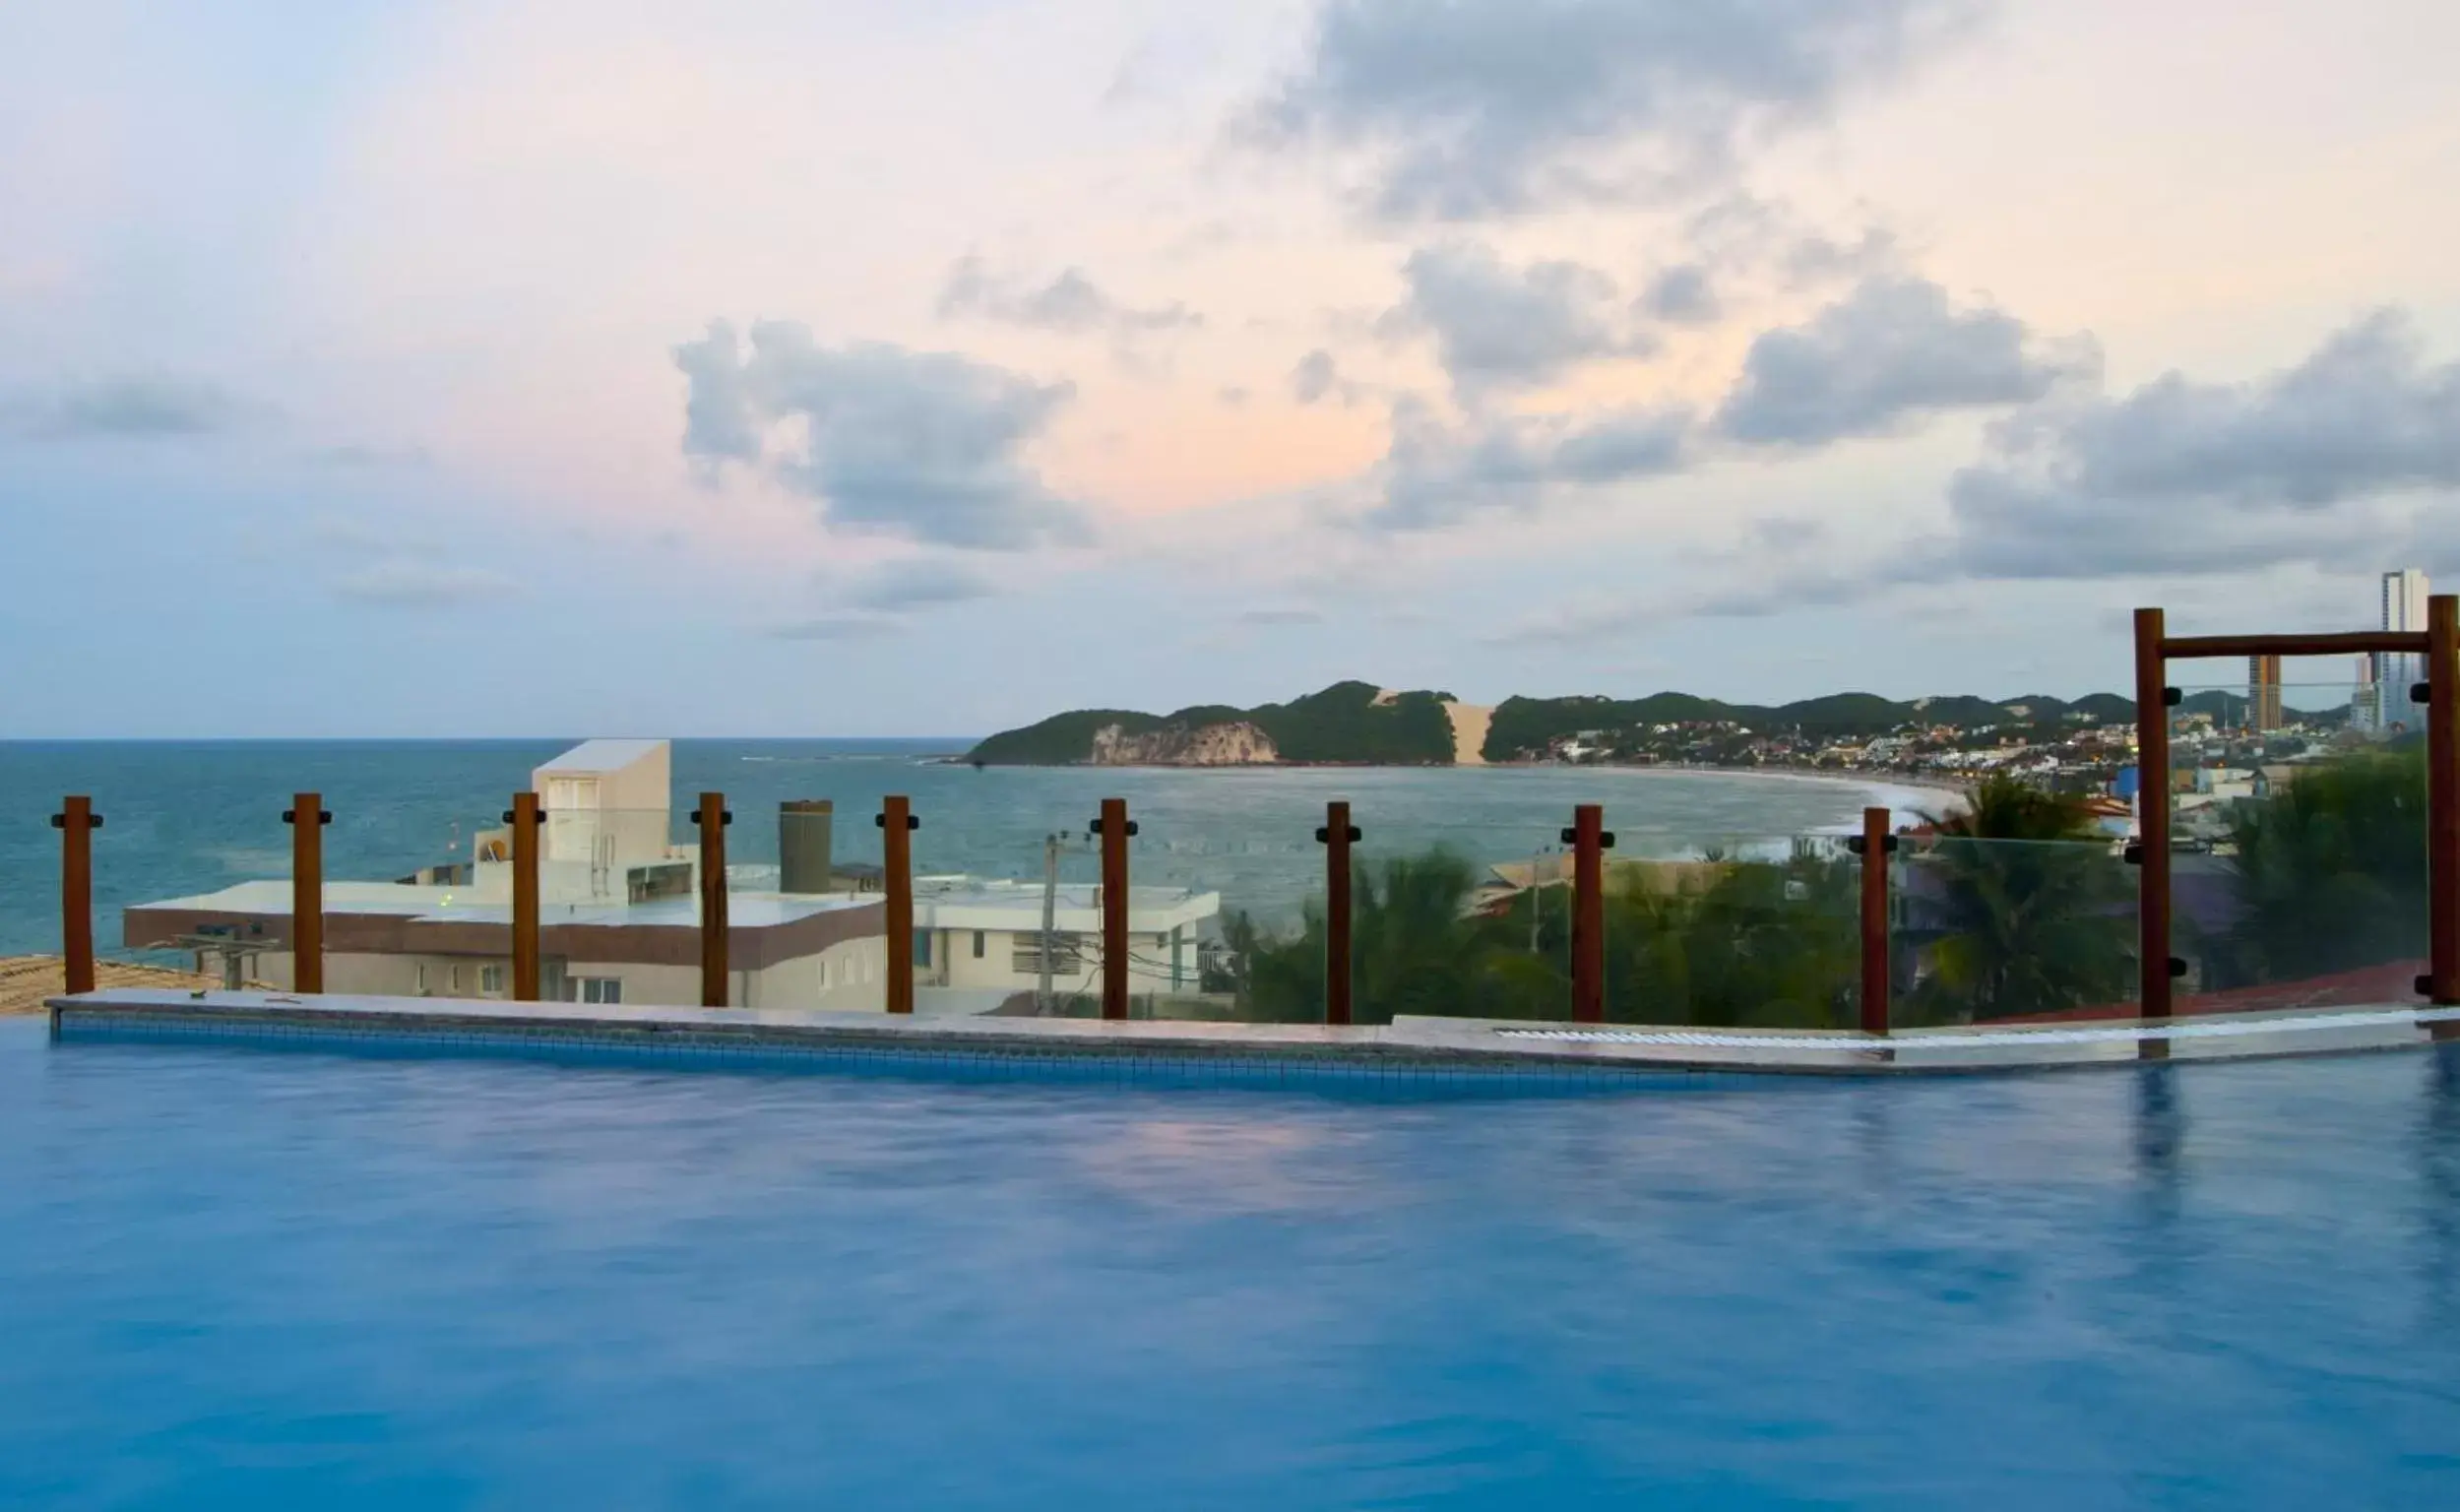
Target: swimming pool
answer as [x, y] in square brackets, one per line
[239, 1276]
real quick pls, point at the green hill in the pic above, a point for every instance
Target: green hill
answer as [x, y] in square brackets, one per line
[1346, 724]
[1524, 727]
[1061, 740]
[1342, 724]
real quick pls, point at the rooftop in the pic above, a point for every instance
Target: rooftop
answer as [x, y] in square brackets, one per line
[973, 903]
[592, 756]
[457, 904]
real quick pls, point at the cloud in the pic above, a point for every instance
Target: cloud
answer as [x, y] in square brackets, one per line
[1497, 326]
[1316, 378]
[1892, 351]
[1777, 565]
[1483, 107]
[1681, 295]
[121, 409]
[1269, 616]
[1742, 233]
[919, 445]
[834, 627]
[1234, 396]
[1070, 303]
[1437, 474]
[407, 582]
[2345, 461]
[920, 584]
[2309, 462]
[884, 600]
[360, 455]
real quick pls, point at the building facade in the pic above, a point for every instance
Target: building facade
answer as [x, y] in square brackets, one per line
[2394, 673]
[2263, 693]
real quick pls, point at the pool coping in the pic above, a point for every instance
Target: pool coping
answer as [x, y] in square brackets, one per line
[1407, 1044]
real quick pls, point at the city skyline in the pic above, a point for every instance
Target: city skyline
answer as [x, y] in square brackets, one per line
[922, 369]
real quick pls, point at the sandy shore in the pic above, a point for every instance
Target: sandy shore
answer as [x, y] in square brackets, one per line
[1909, 799]
[26, 981]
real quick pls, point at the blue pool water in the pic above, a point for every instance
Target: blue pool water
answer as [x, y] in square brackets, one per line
[237, 1277]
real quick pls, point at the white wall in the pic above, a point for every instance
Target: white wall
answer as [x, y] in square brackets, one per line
[855, 977]
[1149, 963]
[851, 976]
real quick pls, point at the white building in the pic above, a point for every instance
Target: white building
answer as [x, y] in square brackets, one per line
[977, 939]
[619, 912]
[2403, 596]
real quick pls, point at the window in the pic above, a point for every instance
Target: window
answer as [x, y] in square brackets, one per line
[456, 980]
[824, 973]
[419, 979]
[596, 989]
[492, 980]
[1067, 955]
[922, 947]
[978, 944]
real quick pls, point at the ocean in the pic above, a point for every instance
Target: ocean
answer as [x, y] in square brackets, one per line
[189, 817]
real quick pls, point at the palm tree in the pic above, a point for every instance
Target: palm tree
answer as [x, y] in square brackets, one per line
[1763, 944]
[2003, 807]
[1415, 949]
[2027, 910]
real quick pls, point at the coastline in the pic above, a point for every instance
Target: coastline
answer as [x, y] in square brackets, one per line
[1875, 781]
[1894, 785]
[1909, 800]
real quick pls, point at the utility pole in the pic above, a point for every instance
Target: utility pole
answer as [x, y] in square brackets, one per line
[1050, 921]
[1537, 893]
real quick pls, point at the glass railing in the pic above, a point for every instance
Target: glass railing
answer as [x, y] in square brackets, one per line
[2002, 929]
[618, 906]
[1731, 932]
[2299, 880]
[1004, 918]
[401, 915]
[2299, 831]
[1014, 917]
[1467, 920]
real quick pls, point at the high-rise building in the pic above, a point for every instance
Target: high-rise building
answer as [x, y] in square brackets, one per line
[2404, 608]
[2263, 693]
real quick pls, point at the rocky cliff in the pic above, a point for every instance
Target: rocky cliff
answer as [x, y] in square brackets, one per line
[1348, 722]
[1232, 743]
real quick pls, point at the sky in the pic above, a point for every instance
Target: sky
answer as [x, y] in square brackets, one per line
[874, 367]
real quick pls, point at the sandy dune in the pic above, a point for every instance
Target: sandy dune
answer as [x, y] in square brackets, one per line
[1469, 733]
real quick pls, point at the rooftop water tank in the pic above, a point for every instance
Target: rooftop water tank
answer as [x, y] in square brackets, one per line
[804, 826]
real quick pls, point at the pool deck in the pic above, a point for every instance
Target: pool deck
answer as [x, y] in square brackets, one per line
[1432, 1043]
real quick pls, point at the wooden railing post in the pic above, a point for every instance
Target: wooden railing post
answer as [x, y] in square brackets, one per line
[307, 818]
[896, 826]
[525, 817]
[77, 821]
[1338, 835]
[1876, 842]
[2442, 794]
[713, 818]
[1587, 839]
[1114, 829]
[2152, 807]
